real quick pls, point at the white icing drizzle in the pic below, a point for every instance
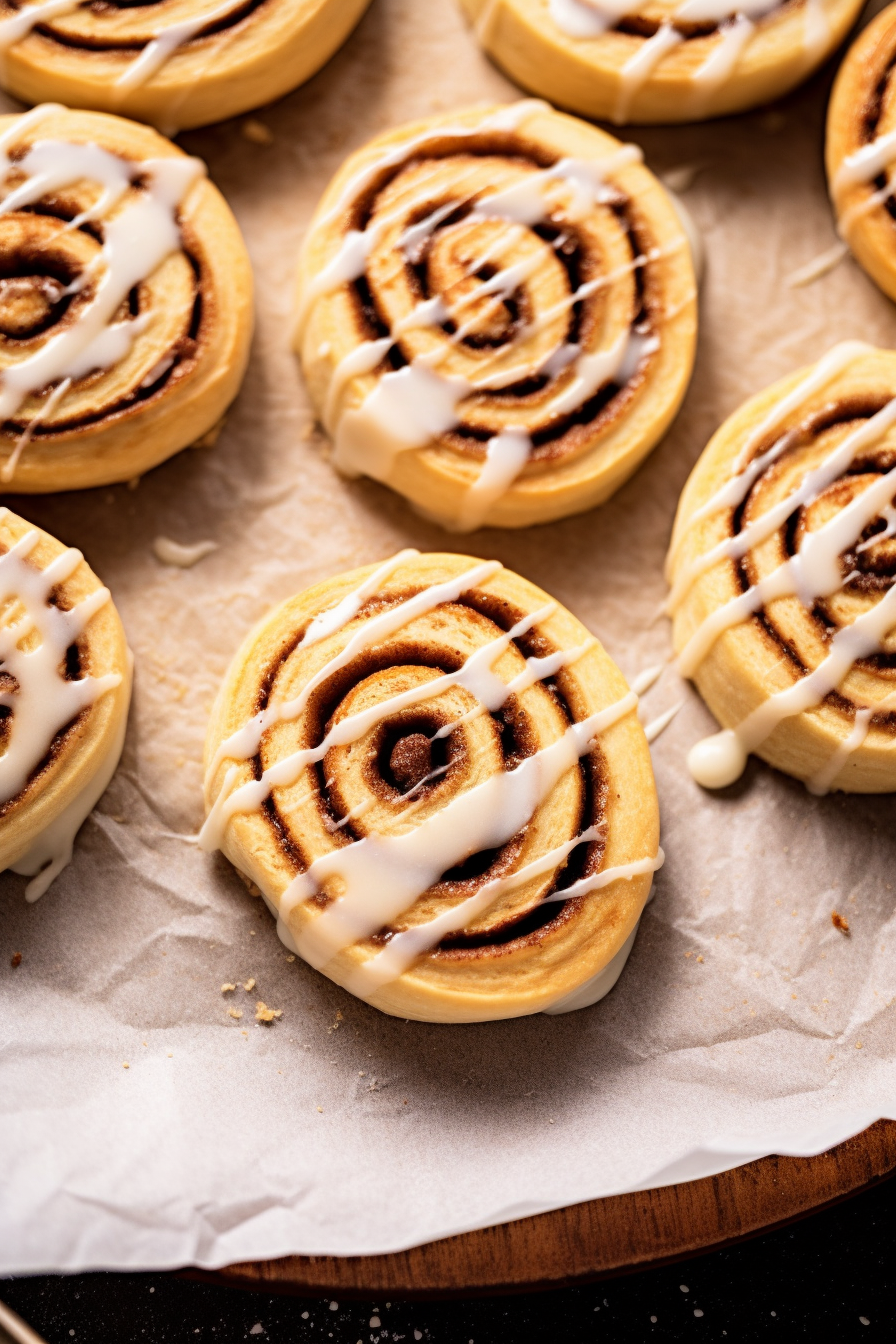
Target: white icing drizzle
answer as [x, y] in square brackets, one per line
[867, 162]
[821, 782]
[384, 875]
[813, 572]
[659, 725]
[722, 60]
[733, 493]
[135, 242]
[175, 553]
[16, 26]
[818, 266]
[505, 456]
[163, 46]
[411, 407]
[736, 25]
[649, 677]
[639, 67]
[34, 639]
[157, 52]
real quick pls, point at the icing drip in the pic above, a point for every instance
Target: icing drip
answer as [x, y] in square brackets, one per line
[409, 408]
[659, 725]
[163, 46]
[383, 876]
[136, 241]
[157, 52]
[175, 553]
[638, 68]
[34, 639]
[814, 572]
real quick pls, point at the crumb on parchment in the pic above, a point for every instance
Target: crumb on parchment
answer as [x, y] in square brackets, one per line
[839, 922]
[235, 1013]
[227, 988]
[265, 1014]
[249, 984]
[15, 959]
[257, 133]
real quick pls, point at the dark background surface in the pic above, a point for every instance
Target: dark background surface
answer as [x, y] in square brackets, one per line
[830, 1276]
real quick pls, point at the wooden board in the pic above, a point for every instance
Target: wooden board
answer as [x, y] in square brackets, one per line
[600, 1237]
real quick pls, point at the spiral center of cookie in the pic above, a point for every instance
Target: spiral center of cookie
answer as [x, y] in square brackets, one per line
[410, 761]
[27, 303]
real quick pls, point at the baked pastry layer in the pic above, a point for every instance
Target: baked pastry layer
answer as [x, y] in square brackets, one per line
[660, 60]
[783, 573]
[173, 63]
[125, 300]
[497, 314]
[437, 778]
[65, 687]
[860, 149]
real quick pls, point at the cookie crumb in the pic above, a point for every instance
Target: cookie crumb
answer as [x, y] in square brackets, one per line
[839, 922]
[227, 988]
[15, 959]
[265, 1014]
[125, 1065]
[249, 984]
[290, 957]
[235, 1013]
[257, 133]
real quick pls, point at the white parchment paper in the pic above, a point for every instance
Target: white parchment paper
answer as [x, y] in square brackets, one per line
[744, 1024]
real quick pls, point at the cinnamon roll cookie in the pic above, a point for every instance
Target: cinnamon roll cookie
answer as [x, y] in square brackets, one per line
[660, 60]
[497, 314]
[173, 63]
[125, 300]
[783, 573]
[860, 151]
[437, 779]
[65, 686]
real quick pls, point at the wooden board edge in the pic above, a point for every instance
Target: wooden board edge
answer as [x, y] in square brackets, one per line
[596, 1239]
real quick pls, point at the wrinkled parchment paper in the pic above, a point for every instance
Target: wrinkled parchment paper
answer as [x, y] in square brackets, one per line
[744, 1024]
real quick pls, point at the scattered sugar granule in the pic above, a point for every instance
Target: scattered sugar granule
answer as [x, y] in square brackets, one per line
[265, 1014]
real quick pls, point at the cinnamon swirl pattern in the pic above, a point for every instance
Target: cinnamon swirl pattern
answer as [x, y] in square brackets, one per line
[860, 150]
[668, 61]
[783, 573]
[125, 300]
[173, 63]
[65, 686]
[438, 780]
[497, 314]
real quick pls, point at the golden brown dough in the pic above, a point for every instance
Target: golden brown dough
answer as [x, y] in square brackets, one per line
[124, 339]
[416, 797]
[497, 314]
